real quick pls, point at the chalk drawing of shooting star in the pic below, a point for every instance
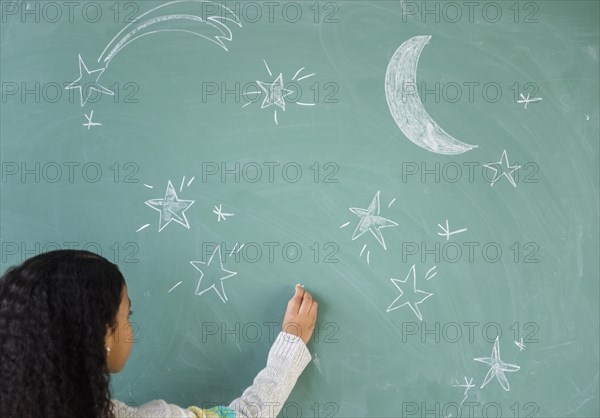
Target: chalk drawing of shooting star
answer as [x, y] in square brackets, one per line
[88, 83]
[170, 207]
[371, 221]
[276, 91]
[205, 19]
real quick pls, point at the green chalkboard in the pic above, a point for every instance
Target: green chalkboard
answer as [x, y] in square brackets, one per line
[429, 170]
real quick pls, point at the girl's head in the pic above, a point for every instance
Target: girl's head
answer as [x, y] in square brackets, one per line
[63, 326]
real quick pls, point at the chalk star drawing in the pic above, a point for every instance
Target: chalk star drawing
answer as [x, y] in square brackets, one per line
[196, 20]
[447, 233]
[527, 100]
[171, 208]
[212, 275]
[88, 82]
[497, 367]
[89, 122]
[371, 221]
[497, 167]
[220, 214]
[276, 93]
[520, 344]
[413, 298]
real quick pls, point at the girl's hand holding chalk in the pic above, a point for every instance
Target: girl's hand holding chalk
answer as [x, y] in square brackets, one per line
[300, 315]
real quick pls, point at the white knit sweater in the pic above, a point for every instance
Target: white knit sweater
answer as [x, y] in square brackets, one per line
[264, 398]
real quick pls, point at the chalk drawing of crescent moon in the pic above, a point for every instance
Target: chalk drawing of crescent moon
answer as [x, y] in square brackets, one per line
[210, 23]
[406, 106]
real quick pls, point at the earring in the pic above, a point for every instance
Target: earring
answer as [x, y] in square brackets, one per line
[108, 349]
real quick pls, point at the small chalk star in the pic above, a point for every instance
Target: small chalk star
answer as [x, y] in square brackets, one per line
[220, 214]
[499, 171]
[89, 122]
[447, 233]
[527, 100]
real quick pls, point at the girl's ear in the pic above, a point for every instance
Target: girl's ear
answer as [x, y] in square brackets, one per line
[108, 338]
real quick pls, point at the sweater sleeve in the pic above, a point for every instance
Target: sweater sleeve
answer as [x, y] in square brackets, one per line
[287, 359]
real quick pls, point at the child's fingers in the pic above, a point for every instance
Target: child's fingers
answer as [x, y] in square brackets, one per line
[296, 300]
[307, 302]
[313, 310]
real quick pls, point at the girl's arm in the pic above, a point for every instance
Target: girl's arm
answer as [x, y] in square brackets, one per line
[265, 398]
[287, 359]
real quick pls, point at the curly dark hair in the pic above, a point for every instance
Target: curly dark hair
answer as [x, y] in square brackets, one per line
[54, 310]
